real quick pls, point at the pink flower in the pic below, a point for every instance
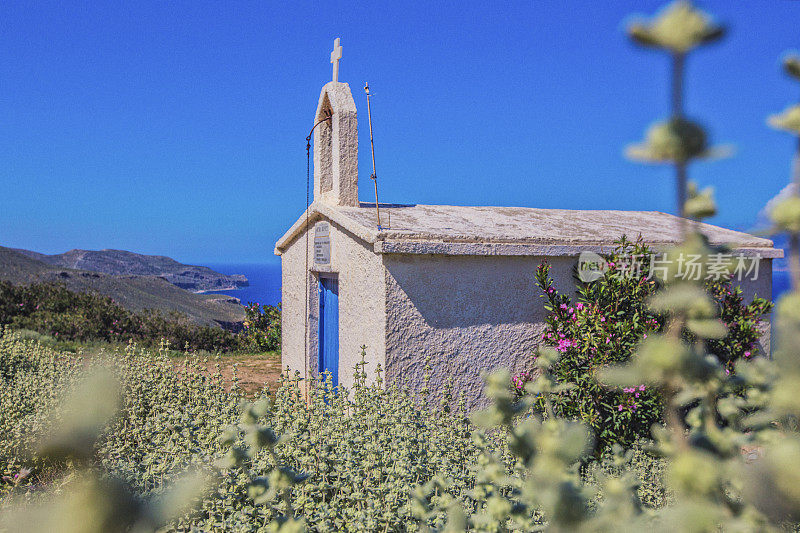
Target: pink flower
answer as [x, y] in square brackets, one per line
[619, 407]
[579, 305]
[747, 354]
[641, 387]
[565, 344]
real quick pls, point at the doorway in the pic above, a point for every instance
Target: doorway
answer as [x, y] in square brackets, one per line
[329, 327]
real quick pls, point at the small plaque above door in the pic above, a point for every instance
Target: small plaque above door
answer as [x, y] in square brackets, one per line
[322, 243]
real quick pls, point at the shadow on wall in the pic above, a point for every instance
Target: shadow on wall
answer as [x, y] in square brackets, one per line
[468, 314]
[465, 291]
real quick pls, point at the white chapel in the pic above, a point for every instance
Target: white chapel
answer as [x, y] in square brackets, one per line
[450, 283]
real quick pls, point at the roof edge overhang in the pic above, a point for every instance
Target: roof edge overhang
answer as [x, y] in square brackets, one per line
[316, 211]
[384, 243]
[426, 247]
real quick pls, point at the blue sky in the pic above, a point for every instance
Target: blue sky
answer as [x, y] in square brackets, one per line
[178, 128]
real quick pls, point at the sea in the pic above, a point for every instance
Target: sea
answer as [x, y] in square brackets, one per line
[265, 282]
[781, 283]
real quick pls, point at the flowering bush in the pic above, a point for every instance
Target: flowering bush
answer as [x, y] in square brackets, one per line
[742, 320]
[603, 327]
[262, 328]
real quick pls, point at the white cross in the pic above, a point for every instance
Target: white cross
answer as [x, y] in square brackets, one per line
[336, 55]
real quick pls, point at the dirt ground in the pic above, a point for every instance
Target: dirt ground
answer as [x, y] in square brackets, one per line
[254, 371]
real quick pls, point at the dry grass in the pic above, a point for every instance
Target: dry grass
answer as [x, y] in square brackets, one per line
[253, 370]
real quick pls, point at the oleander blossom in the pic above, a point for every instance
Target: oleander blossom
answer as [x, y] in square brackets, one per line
[521, 379]
[565, 344]
[636, 391]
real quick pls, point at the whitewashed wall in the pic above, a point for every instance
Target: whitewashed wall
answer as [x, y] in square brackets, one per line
[472, 314]
[362, 315]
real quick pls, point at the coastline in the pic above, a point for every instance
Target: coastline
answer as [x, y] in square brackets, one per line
[211, 291]
[264, 282]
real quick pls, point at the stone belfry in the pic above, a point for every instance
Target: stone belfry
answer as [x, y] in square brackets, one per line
[336, 142]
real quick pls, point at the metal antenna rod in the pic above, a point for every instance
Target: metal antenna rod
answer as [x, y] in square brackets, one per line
[374, 176]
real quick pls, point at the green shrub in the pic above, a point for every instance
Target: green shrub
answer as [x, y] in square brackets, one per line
[53, 310]
[647, 470]
[362, 452]
[603, 326]
[262, 328]
[32, 381]
[73, 462]
[170, 419]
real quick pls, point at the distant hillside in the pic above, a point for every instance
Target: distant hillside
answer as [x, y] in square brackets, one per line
[133, 292]
[122, 263]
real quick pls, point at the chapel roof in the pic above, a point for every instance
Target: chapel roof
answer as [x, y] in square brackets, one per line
[487, 230]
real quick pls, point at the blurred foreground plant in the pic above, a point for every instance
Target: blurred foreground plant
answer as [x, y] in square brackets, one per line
[86, 499]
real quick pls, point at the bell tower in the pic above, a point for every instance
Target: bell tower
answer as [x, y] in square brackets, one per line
[336, 142]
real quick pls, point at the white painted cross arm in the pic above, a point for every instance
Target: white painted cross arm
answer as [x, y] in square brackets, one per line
[336, 55]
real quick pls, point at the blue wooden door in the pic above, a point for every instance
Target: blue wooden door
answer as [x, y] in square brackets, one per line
[329, 327]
